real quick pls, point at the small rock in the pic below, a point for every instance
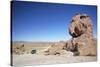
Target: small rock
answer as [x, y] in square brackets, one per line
[33, 51]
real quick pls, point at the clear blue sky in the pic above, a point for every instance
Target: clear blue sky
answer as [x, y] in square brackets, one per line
[34, 21]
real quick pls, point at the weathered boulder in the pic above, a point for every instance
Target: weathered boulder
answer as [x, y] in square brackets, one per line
[80, 24]
[82, 46]
[81, 30]
[82, 41]
[55, 48]
[33, 51]
[20, 49]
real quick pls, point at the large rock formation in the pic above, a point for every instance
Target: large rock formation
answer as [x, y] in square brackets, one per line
[82, 41]
[81, 30]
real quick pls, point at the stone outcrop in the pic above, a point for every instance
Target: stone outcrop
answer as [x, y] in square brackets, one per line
[82, 42]
[81, 30]
[56, 48]
[20, 49]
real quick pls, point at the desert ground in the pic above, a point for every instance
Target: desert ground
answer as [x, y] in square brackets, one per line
[22, 56]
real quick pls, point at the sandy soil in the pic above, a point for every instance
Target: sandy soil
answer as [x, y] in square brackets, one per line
[29, 59]
[26, 58]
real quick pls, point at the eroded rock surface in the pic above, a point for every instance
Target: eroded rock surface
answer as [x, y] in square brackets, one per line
[82, 42]
[81, 30]
[56, 48]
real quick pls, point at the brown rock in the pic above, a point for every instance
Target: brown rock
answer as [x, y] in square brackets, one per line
[79, 25]
[19, 49]
[82, 42]
[56, 48]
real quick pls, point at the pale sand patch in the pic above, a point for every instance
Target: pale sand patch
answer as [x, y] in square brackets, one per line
[35, 59]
